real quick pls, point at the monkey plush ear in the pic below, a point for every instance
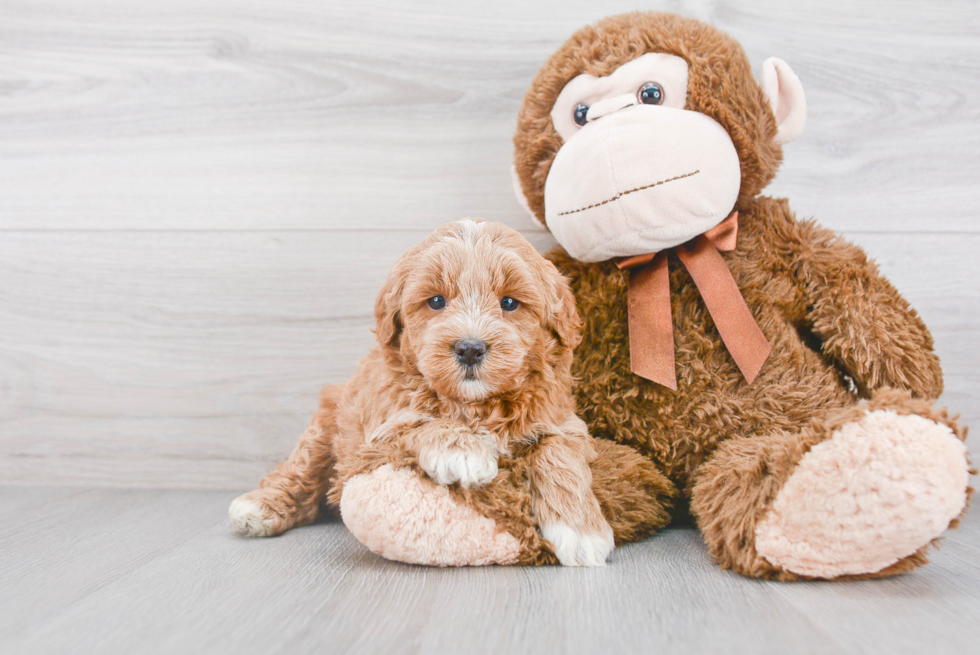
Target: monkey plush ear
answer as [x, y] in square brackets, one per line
[519, 192]
[785, 93]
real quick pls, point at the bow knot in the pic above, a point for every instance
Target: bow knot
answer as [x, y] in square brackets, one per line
[650, 322]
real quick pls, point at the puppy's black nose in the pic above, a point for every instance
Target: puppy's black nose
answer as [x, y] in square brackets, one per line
[470, 351]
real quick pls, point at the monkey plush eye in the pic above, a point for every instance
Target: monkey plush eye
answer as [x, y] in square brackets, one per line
[509, 304]
[580, 115]
[437, 302]
[650, 93]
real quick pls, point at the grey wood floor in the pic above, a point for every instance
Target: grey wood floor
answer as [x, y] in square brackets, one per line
[141, 571]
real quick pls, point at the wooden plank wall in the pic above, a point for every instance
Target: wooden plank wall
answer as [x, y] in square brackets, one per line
[200, 199]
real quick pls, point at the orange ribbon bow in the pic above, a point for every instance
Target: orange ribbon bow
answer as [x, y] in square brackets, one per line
[650, 323]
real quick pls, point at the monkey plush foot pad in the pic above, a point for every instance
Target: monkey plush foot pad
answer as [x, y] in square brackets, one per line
[874, 493]
[402, 517]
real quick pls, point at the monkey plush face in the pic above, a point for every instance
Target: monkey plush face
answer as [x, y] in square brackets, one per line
[647, 130]
[637, 173]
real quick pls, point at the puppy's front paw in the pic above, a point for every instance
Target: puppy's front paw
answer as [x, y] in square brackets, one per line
[472, 464]
[400, 422]
[253, 518]
[579, 548]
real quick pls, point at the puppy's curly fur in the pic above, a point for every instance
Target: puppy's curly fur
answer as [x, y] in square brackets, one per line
[415, 401]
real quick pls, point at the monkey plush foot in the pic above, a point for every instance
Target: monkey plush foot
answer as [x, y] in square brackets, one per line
[401, 516]
[876, 492]
[859, 493]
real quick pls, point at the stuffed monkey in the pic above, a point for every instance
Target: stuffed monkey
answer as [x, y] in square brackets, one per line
[760, 361]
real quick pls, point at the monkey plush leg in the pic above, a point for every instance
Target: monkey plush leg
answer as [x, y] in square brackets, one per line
[634, 495]
[291, 494]
[861, 493]
[398, 513]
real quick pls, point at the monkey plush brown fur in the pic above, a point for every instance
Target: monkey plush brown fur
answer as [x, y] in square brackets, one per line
[852, 365]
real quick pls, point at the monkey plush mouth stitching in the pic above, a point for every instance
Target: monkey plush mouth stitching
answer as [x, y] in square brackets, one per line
[626, 193]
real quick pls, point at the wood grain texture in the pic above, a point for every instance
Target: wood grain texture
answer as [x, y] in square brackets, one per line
[316, 115]
[199, 200]
[128, 571]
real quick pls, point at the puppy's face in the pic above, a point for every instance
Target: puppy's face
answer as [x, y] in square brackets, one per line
[475, 308]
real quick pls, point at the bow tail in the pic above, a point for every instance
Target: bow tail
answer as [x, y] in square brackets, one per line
[650, 323]
[736, 325]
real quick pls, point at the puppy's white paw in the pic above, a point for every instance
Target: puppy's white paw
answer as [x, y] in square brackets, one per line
[575, 548]
[251, 518]
[470, 467]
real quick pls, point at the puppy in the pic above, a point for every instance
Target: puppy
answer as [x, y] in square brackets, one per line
[475, 335]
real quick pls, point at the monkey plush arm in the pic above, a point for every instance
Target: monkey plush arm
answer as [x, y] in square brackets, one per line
[396, 510]
[863, 323]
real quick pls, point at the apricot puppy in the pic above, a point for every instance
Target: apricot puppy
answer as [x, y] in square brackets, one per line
[475, 336]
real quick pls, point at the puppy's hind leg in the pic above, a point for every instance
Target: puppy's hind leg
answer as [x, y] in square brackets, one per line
[567, 511]
[292, 493]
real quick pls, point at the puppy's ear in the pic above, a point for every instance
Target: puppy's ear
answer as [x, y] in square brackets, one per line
[563, 319]
[387, 307]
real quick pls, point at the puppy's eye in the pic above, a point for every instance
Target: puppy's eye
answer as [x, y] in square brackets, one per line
[509, 304]
[580, 115]
[437, 302]
[650, 93]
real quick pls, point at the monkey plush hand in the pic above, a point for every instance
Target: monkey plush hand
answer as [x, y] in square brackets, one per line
[762, 363]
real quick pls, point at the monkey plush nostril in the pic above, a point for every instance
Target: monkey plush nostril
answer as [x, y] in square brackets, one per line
[470, 351]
